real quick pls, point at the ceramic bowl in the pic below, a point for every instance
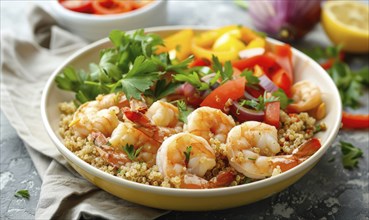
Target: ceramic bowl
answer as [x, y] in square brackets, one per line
[95, 27]
[187, 199]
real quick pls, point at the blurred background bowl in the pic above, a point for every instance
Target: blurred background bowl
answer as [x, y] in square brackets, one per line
[94, 27]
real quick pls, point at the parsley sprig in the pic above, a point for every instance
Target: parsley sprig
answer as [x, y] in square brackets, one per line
[350, 83]
[183, 111]
[350, 155]
[259, 104]
[23, 193]
[130, 66]
[187, 154]
[132, 153]
[252, 81]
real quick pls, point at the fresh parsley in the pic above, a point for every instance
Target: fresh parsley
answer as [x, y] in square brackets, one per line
[259, 104]
[283, 98]
[350, 83]
[130, 66]
[226, 71]
[183, 111]
[132, 153]
[350, 155]
[187, 154]
[252, 81]
[22, 194]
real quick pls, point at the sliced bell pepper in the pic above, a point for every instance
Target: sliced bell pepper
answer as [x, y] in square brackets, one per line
[281, 80]
[178, 44]
[267, 63]
[355, 120]
[228, 41]
[223, 56]
[232, 89]
[283, 56]
[199, 62]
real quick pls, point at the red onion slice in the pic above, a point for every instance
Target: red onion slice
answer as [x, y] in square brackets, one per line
[244, 114]
[267, 84]
[243, 54]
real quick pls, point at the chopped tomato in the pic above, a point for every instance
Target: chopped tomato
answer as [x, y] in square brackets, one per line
[272, 110]
[281, 80]
[83, 6]
[355, 120]
[232, 89]
[104, 7]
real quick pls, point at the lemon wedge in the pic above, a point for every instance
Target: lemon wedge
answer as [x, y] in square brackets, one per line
[347, 23]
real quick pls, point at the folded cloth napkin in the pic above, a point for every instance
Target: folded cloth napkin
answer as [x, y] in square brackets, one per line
[25, 67]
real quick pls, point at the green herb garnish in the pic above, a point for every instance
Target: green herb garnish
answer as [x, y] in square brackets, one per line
[132, 153]
[22, 194]
[283, 98]
[259, 104]
[226, 71]
[187, 154]
[252, 81]
[183, 111]
[350, 155]
[131, 66]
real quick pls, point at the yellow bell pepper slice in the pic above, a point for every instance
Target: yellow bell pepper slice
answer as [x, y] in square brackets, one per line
[207, 38]
[178, 45]
[228, 41]
[256, 43]
[223, 56]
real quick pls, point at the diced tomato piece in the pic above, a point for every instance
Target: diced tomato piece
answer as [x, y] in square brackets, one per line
[355, 120]
[83, 6]
[272, 110]
[104, 7]
[281, 80]
[232, 89]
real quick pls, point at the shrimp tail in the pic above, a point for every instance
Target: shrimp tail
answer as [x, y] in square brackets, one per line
[300, 154]
[114, 157]
[143, 123]
[223, 179]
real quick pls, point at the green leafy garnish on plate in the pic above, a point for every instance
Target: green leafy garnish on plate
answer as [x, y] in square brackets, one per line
[350, 155]
[23, 193]
[132, 153]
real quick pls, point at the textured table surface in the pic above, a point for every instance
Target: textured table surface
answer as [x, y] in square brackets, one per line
[327, 192]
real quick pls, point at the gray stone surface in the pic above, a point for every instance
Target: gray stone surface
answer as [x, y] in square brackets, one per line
[328, 191]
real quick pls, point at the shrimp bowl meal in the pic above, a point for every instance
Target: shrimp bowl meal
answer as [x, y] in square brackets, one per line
[182, 118]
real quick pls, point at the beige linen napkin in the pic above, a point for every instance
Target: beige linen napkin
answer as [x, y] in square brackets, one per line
[25, 67]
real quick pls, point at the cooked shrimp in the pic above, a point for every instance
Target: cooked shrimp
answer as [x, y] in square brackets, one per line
[163, 114]
[100, 115]
[126, 134]
[251, 148]
[306, 96]
[209, 122]
[189, 157]
[159, 122]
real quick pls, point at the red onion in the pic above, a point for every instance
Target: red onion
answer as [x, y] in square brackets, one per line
[249, 96]
[244, 114]
[247, 53]
[267, 84]
[286, 20]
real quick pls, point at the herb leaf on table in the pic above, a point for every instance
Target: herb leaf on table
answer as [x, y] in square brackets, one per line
[350, 155]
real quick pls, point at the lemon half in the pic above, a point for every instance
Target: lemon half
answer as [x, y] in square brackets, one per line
[347, 23]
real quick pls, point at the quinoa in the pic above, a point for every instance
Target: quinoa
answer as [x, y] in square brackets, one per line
[295, 129]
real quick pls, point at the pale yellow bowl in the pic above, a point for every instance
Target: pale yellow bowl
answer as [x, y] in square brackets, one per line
[187, 199]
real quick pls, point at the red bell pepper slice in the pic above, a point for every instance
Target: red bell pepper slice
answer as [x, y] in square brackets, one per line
[281, 79]
[199, 62]
[267, 63]
[355, 120]
[232, 89]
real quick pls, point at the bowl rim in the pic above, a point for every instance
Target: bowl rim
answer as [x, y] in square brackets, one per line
[93, 17]
[187, 192]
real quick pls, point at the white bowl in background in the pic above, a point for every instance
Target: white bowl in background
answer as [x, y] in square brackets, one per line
[94, 27]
